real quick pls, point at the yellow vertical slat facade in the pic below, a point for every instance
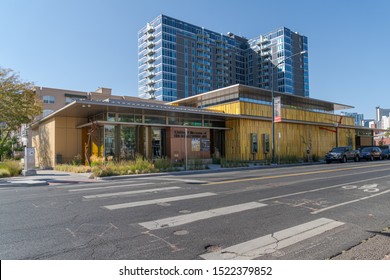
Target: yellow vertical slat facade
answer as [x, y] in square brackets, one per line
[299, 130]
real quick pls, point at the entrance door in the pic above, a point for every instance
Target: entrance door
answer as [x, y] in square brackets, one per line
[217, 142]
[158, 143]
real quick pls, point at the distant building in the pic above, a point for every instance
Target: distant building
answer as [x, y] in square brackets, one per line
[385, 122]
[368, 123]
[380, 112]
[358, 117]
[178, 60]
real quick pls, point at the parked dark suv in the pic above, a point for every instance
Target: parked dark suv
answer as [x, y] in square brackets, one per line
[371, 153]
[385, 153]
[342, 154]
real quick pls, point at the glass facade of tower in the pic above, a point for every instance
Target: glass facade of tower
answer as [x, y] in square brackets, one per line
[178, 60]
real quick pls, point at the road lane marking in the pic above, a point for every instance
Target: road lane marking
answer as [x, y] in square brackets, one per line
[110, 187]
[320, 189]
[99, 183]
[365, 188]
[348, 202]
[272, 242]
[167, 178]
[129, 192]
[286, 175]
[203, 215]
[155, 201]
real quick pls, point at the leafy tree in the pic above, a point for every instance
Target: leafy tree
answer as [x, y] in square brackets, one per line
[18, 105]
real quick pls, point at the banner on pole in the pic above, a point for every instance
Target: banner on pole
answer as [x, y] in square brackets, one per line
[277, 109]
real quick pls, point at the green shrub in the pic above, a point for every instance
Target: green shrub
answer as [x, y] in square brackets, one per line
[14, 167]
[233, 163]
[164, 164]
[196, 164]
[77, 160]
[143, 165]
[289, 159]
[4, 172]
[72, 168]
[315, 158]
[95, 160]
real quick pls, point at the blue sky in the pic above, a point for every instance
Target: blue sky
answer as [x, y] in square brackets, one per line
[83, 45]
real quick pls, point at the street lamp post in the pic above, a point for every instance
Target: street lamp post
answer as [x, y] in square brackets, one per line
[273, 103]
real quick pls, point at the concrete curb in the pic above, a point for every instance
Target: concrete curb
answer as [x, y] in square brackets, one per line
[205, 171]
[24, 183]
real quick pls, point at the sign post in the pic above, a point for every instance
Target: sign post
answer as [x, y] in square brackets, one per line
[185, 147]
[29, 162]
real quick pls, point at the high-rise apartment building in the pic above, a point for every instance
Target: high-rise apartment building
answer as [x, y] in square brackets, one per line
[178, 60]
[359, 118]
[379, 114]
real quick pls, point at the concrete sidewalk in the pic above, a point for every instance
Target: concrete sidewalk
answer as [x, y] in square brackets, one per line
[45, 178]
[376, 247]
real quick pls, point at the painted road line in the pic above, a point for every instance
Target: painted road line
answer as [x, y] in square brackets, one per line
[94, 183]
[348, 202]
[167, 178]
[287, 175]
[272, 242]
[193, 217]
[129, 192]
[159, 200]
[321, 189]
[110, 187]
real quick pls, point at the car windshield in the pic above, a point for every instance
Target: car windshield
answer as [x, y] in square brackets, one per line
[366, 150]
[338, 150]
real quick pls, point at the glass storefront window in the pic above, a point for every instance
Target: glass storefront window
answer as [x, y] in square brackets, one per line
[111, 117]
[127, 142]
[109, 140]
[156, 143]
[125, 118]
[192, 122]
[174, 121]
[155, 119]
[100, 117]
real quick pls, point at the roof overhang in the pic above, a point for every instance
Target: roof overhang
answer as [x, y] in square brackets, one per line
[287, 99]
[89, 108]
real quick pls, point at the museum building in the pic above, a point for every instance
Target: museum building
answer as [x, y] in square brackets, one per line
[234, 122]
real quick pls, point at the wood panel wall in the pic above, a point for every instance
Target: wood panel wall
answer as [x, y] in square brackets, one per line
[294, 139]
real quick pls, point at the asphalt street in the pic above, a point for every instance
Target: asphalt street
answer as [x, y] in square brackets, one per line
[303, 212]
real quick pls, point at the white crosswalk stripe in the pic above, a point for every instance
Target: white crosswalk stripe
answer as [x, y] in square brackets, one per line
[272, 242]
[189, 218]
[159, 200]
[129, 192]
[109, 187]
[169, 178]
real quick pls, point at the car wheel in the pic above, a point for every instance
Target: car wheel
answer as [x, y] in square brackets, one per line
[380, 158]
[328, 161]
[356, 159]
[371, 158]
[344, 159]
